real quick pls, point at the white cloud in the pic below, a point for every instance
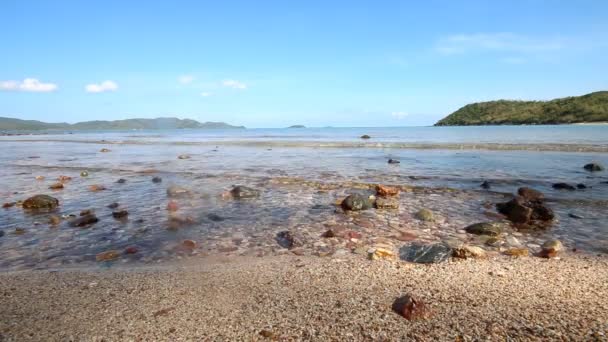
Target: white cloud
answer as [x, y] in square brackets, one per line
[234, 84]
[28, 84]
[205, 94]
[186, 79]
[505, 42]
[101, 87]
[399, 115]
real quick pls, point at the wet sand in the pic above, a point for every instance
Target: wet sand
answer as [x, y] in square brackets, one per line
[310, 298]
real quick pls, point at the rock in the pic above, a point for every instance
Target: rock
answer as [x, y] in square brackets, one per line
[157, 179]
[575, 216]
[113, 205]
[86, 212]
[515, 210]
[104, 150]
[393, 161]
[550, 248]
[172, 206]
[121, 181]
[466, 252]
[84, 174]
[108, 255]
[215, 217]
[120, 214]
[424, 215]
[54, 220]
[39, 178]
[356, 202]
[8, 205]
[512, 241]
[176, 221]
[486, 228]
[329, 234]
[189, 244]
[563, 186]
[1, 233]
[517, 252]
[96, 187]
[493, 242]
[387, 203]
[411, 308]
[19, 231]
[380, 253]
[177, 191]
[84, 221]
[131, 250]
[581, 186]
[485, 185]
[286, 239]
[425, 254]
[365, 136]
[64, 179]
[240, 192]
[594, 167]
[41, 202]
[183, 156]
[386, 191]
[530, 194]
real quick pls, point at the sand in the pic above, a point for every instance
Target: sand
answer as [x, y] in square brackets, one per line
[310, 298]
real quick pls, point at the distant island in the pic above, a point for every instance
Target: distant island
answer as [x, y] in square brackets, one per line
[588, 108]
[297, 126]
[11, 124]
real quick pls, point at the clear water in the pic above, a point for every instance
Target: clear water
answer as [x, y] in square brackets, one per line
[301, 173]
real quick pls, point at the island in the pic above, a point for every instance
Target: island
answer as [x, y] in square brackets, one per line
[590, 108]
[12, 124]
[297, 126]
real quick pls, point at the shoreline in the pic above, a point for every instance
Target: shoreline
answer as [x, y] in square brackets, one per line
[311, 298]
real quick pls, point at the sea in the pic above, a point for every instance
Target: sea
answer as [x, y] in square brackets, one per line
[300, 173]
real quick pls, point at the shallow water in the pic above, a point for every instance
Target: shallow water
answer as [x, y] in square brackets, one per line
[299, 185]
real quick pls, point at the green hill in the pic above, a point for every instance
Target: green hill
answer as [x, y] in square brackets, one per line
[577, 109]
[11, 124]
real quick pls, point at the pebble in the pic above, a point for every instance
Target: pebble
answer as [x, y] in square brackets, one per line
[466, 252]
[84, 221]
[84, 174]
[517, 252]
[108, 255]
[411, 308]
[104, 150]
[425, 215]
[120, 214]
[56, 186]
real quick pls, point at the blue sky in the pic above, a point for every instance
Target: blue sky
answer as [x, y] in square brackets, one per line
[278, 63]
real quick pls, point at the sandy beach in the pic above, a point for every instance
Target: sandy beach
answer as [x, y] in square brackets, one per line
[287, 298]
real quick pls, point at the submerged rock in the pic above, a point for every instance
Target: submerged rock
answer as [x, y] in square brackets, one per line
[183, 156]
[177, 191]
[386, 191]
[286, 239]
[121, 181]
[425, 215]
[411, 308]
[594, 167]
[240, 192]
[113, 205]
[215, 217]
[486, 228]
[356, 202]
[393, 161]
[8, 205]
[530, 194]
[120, 214]
[84, 174]
[56, 186]
[41, 202]
[387, 203]
[131, 250]
[575, 216]
[581, 186]
[84, 221]
[96, 187]
[108, 255]
[485, 185]
[522, 211]
[515, 210]
[104, 150]
[157, 179]
[563, 186]
[425, 254]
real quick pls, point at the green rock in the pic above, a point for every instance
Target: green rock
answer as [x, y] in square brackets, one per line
[425, 215]
[486, 228]
[41, 202]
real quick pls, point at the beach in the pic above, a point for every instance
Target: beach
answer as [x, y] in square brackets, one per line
[291, 298]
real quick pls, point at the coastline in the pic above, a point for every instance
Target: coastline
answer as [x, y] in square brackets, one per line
[311, 298]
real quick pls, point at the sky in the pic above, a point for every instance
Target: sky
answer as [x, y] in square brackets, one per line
[280, 63]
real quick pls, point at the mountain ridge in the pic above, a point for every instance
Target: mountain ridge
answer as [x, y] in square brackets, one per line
[13, 124]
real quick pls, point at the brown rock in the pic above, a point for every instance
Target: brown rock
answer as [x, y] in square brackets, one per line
[84, 221]
[96, 188]
[54, 220]
[64, 179]
[172, 206]
[8, 204]
[41, 202]
[386, 191]
[467, 252]
[131, 250]
[387, 203]
[515, 210]
[517, 252]
[411, 308]
[530, 194]
[108, 255]
[56, 186]
[189, 244]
